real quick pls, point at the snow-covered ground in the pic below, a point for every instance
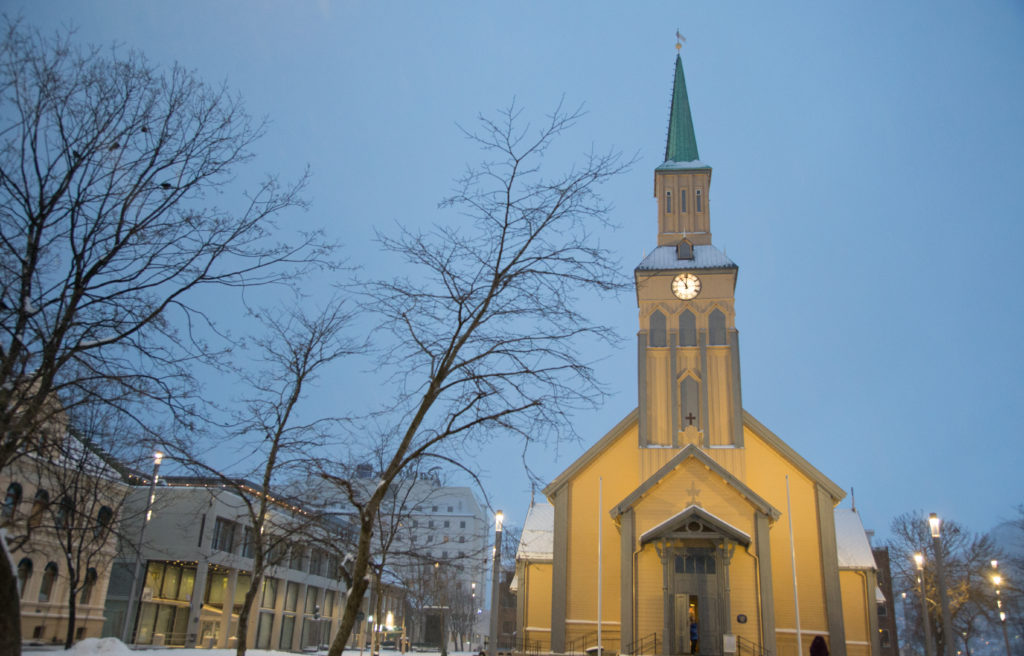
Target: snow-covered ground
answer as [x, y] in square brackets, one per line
[114, 647]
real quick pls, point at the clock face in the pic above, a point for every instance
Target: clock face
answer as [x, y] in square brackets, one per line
[686, 286]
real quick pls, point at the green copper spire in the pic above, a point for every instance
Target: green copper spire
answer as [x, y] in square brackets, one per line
[682, 144]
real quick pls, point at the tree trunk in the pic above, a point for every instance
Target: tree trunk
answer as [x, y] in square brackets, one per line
[69, 638]
[354, 596]
[10, 611]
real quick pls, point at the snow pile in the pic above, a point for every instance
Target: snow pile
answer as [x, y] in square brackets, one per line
[98, 646]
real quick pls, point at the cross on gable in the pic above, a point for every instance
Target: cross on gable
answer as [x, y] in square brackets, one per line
[690, 418]
[694, 492]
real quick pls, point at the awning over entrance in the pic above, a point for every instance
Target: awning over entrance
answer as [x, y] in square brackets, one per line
[694, 522]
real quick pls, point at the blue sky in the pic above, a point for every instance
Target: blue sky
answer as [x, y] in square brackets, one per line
[867, 162]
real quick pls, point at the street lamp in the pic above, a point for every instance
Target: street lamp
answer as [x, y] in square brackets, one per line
[129, 620]
[947, 622]
[919, 561]
[492, 648]
[998, 581]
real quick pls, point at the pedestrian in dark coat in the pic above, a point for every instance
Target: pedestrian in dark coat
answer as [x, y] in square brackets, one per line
[819, 647]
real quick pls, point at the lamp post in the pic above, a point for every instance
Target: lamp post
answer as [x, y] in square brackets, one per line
[997, 579]
[919, 561]
[947, 622]
[133, 602]
[492, 647]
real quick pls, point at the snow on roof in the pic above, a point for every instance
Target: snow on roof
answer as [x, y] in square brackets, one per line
[537, 539]
[705, 256]
[852, 544]
[693, 164]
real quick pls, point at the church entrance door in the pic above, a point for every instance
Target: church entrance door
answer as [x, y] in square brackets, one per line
[695, 603]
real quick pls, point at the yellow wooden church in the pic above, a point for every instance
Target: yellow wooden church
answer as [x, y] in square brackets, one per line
[691, 528]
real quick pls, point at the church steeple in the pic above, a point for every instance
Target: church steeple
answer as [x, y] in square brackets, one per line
[681, 182]
[682, 143]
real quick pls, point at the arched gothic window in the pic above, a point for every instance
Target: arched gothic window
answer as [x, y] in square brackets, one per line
[658, 330]
[716, 328]
[11, 501]
[49, 576]
[700, 201]
[682, 200]
[687, 329]
[24, 572]
[689, 402]
[65, 512]
[668, 201]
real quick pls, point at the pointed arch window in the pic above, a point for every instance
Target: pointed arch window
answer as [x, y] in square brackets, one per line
[49, 576]
[682, 200]
[689, 402]
[700, 201]
[687, 329]
[103, 518]
[24, 573]
[668, 201]
[658, 329]
[11, 501]
[716, 328]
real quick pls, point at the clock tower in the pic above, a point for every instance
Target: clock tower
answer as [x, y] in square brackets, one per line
[687, 347]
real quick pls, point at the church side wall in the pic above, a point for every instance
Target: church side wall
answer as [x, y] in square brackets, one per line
[767, 474]
[535, 587]
[855, 613]
[616, 467]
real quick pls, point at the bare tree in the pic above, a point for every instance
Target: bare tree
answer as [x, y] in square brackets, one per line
[483, 339]
[291, 353]
[110, 175]
[967, 560]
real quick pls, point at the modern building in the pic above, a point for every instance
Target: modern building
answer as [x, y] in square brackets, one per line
[196, 566]
[690, 527]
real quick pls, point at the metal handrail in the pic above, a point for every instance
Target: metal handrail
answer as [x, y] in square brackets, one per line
[640, 645]
[570, 648]
[753, 649]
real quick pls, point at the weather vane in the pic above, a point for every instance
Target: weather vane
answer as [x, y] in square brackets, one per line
[680, 40]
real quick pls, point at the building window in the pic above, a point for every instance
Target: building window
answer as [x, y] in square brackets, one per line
[462, 524]
[39, 505]
[287, 631]
[433, 509]
[430, 524]
[462, 538]
[247, 542]
[716, 328]
[449, 508]
[668, 202]
[415, 523]
[49, 576]
[657, 329]
[882, 611]
[270, 586]
[24, 572]
[316, 562]
[695, 564]
[689, 402]
[682, 200]
[687, 329]
[297, 553]
[11, 501]
[87, 585]
[883, 638]
[223, 535]
[291, 596]
[700, 201]
[103, 518]
[446, 523]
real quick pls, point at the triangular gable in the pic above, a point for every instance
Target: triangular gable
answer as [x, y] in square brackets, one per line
[694, 522]
[591, 453]
[787, 452]
[687, 452]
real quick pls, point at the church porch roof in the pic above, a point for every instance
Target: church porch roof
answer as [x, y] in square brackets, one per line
[670, 528]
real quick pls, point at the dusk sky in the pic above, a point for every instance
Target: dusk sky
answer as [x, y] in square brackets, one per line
[868, 161]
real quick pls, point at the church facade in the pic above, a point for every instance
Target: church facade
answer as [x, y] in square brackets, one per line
[691, 528]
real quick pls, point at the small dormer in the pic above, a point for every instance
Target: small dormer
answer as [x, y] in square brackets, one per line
[684, 250]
